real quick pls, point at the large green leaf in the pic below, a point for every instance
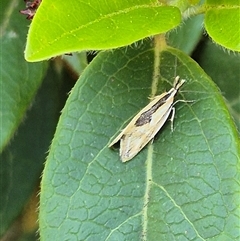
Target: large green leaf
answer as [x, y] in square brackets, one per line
[182, 187]
[60, 27]
[19, 80]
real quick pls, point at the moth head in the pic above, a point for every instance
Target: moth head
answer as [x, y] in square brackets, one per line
[178, 83]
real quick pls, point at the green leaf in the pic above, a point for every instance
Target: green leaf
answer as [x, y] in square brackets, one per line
[19, 80]
[224, 70]
[22, 161]
[33, 236]
[182, 187]
[187, 35]
[221, 2]
[3, 13]
[95, 25]
[222, 25]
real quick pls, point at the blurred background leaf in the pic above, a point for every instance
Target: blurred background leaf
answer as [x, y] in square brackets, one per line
[187, 36]
[223, 68]
[22, 161]
[19, 80]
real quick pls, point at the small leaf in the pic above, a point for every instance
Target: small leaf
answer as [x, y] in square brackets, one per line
[59, 27]
[183, 185]
[222, 25]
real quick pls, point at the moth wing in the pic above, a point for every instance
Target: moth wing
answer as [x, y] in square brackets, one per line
[145, 125]
[133, 142]
[116, 139]
[127, 129]
[131, 125]
[159, 122]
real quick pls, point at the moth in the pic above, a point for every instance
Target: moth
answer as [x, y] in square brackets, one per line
[147, 123]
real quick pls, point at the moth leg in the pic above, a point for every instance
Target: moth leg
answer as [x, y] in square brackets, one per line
[173, 110]
[172, 118]
[185, 101]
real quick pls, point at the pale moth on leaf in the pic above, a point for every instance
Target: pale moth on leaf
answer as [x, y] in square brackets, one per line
[146, 124]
